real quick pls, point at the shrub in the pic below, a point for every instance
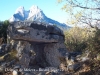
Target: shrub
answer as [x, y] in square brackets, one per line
[76, 39]
[94, 44]
[3, 30]
[81, 39]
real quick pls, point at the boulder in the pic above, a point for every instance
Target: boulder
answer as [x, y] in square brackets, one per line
[37, 44]
[35, 32]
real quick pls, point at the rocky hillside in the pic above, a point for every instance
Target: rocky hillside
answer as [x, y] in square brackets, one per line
[34, 48]
[39, 46]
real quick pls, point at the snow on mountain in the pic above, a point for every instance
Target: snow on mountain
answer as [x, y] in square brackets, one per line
[35, 14]
[20, 11]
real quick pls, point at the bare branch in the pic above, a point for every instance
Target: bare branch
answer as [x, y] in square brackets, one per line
[86, 7]
[83, 7]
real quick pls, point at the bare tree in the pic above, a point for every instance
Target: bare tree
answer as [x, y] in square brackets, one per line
[82, 11]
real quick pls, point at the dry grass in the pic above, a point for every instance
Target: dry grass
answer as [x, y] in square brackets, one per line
[13, 55]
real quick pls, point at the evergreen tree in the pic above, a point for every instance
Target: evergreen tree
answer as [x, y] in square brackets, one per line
[3, 30]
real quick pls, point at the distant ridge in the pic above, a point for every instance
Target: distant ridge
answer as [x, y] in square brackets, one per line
[35, 14]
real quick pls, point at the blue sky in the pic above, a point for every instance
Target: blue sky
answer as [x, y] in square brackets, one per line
[50, 8]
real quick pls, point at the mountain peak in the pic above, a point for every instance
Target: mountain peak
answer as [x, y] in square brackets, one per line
[35, 8]
[34, 14]
[19, 9]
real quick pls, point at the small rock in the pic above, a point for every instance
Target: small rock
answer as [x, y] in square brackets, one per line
[98, 57]
[2, 68]
[14, 72]
[83, 59]
[74, 67]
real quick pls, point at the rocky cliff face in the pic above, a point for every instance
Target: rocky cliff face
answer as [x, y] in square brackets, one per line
[38, 45]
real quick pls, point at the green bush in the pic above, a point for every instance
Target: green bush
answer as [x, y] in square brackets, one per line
[77, 39]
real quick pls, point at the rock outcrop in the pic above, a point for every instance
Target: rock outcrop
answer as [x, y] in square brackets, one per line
[37, 44]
